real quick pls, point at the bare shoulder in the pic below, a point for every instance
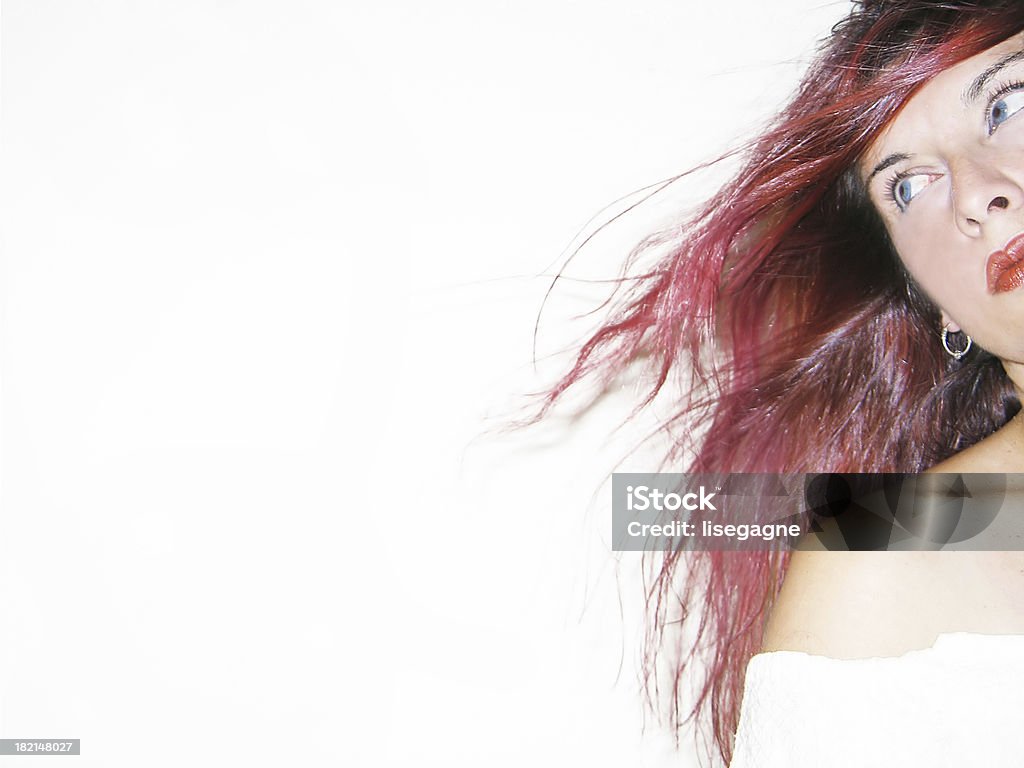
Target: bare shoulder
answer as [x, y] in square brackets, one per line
[854, 604]
[863, 604]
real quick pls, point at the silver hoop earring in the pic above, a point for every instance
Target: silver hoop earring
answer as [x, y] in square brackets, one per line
[954, 353]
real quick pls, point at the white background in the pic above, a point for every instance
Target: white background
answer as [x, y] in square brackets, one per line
[270, 274]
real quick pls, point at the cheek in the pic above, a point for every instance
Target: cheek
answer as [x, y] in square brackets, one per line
[922, 256]
[926, 255]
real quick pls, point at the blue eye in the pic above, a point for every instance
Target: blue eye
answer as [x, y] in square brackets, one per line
[906, 188]
[1004, 107]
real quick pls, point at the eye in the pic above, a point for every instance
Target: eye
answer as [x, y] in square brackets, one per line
[1005, 105]
[905, 188]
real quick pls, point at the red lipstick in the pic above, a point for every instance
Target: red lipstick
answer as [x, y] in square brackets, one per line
[1005, 268]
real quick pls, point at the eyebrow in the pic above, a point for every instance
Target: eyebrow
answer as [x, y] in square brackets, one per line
[896, 157]
[973, 91]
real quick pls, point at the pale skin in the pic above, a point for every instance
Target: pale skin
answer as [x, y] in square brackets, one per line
[947, 177]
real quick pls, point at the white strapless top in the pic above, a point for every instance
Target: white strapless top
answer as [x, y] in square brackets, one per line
[958, 703]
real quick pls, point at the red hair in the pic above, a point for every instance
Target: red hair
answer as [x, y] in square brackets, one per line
[825, 353]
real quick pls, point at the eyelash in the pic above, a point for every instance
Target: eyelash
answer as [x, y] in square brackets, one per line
[890, 184]
[1000, 90]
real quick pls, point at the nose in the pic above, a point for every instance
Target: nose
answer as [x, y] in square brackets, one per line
[981, 191]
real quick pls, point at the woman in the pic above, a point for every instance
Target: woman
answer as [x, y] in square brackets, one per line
[858, 282]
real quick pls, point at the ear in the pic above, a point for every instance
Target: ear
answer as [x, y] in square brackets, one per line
[949, 323]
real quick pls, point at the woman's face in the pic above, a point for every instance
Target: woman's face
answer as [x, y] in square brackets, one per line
[947, 176]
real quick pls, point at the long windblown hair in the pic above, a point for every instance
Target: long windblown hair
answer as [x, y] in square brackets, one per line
[825, 356]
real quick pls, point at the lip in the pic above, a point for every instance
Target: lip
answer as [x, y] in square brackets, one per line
[1005, 268]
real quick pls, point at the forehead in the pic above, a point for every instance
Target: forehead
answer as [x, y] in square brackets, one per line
[941, 105]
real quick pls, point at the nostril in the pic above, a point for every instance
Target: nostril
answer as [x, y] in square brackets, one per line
[999, 202]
